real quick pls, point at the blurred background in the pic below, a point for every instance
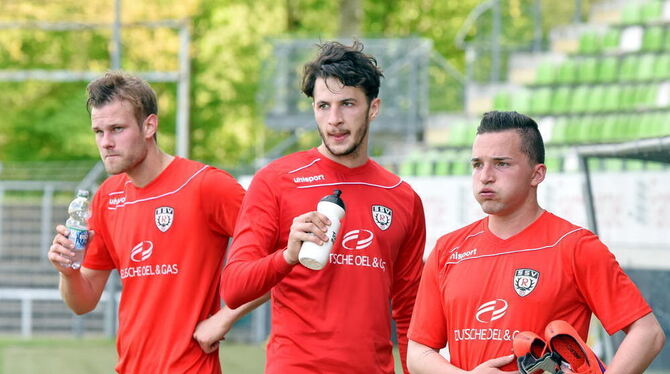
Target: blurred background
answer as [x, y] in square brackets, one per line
[594, 74]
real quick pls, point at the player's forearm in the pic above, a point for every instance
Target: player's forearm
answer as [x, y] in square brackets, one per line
[422, 359]
[235, 314]
[78, 293]
[243, 281]
[644, 340]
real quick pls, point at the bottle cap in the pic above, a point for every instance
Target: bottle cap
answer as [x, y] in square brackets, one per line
[82, 193]
[334, 198]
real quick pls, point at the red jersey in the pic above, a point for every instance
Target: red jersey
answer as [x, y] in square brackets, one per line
[335, 320]
[167, 240]
[478, 291]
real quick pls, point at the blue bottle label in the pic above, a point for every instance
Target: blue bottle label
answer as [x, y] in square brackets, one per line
[79, 238]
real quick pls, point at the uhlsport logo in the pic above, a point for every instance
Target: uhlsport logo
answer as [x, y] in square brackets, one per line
[312, 178]
[142, 251]
[491, 310]
[382, 216]
[525, 281]
[357, 239]
[163, 217]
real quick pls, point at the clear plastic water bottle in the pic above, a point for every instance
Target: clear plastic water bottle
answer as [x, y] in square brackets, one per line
[77, 224]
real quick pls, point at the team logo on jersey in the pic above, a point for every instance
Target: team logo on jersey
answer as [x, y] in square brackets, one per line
[382, 216]
[357, 239]
[525, 281]
[491, 310]
[163, 217]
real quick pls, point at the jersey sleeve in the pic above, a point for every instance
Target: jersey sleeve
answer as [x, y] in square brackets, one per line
[407, 274]
[254, 266]
[605, 286]
[97, 254]
[429, 325]
[221, 199]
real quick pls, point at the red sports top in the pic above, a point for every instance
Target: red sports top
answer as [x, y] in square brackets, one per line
[478, 291]
[336, 320]
[167, 240]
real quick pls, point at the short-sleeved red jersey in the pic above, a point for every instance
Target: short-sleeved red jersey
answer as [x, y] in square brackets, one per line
[167, 240]
[478, 291]
[335, 320]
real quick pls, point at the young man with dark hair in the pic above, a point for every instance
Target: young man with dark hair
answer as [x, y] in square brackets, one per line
[518, 269]
[334, 320]
[163, 222]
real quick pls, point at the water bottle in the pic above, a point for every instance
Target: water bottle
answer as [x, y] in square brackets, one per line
[77, 224]
[312, 255]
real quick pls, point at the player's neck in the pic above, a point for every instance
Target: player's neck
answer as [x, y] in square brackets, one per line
[508, 225]
[151, 167]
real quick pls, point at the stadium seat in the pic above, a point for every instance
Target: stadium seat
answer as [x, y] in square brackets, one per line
[651, 11]
[631, 14]
[628, 69]
[540, 101]
[587, 70]
[520, 101]
[558, 131]
[595, 102]
[611, 98]
[545, 73]
[424, 164]
[610, 40]
[502, 101]
[662, 66]
[645, 67]
[561, 100]
[566, 72]
[580, 99]
[653, 38]
[589, 43]
[607, 69]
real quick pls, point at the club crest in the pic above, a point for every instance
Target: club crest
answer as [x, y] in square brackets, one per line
[525, 281]
[382, 216]
[163, 217]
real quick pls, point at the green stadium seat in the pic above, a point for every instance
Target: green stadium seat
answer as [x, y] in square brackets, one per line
[461, 134]
[631, 14]
[407, 167]
[442, 163]
[540, 101]
[580, 99]
[587, 70]
[645, 69]
[561, 100]
[553, 163]
[545, 73]
[609, 129]
[502, 101]
[572, 130]
[662, 66]
[628, 70]
[607, 69]
[610, 41]
[558, 131]
[611, 98]
[652, 40]
[589, 43]
[566, 72]
[627, 97]
[520, 101]
[651, 11]
[461, 164]
[595, 102]
[424, 164]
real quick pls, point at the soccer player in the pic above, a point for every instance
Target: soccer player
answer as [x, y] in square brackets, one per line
[520, 268]
[163, 222]
[334, 320]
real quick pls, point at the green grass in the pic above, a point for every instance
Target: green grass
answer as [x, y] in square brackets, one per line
[92, 356]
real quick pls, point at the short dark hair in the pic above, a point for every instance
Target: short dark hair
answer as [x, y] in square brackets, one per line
[122, 86]
[348, 64]
[531, 139]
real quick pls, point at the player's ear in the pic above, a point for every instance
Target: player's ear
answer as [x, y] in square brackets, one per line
[150, 125]
[539, 172]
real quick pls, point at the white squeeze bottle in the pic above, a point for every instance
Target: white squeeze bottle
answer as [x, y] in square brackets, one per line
[312, 255]
[77, 224]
